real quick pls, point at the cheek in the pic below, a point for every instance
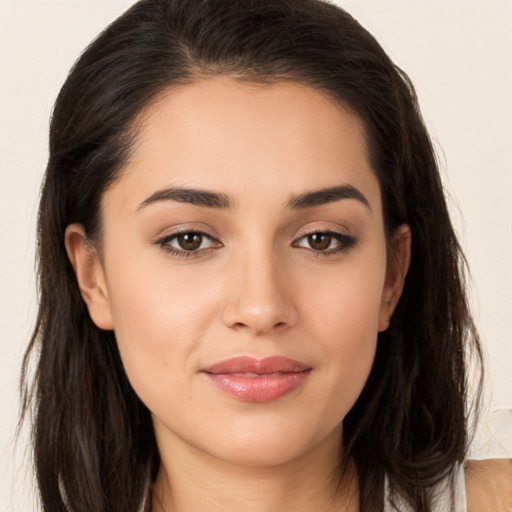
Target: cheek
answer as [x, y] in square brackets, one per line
[160, 316]
[345, 301]
[344, 313]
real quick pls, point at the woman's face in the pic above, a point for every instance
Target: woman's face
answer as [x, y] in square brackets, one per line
[243, 268]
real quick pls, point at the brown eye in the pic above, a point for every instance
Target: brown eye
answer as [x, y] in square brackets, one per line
[328, 243]
[188, 244]
[190, 241]
[319, 241]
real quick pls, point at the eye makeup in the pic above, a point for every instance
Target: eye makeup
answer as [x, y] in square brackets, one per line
[325, 242]
[193, 243]
[188, 243]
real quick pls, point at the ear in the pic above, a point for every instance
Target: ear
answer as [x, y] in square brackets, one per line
[90, 275]
[398, 264]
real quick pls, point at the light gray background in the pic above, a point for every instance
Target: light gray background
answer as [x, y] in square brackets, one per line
[458, 53]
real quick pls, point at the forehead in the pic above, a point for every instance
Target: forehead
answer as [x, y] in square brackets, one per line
[220, 133]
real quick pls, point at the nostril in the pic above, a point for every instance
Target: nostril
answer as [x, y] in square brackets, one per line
[259, 313]
[253, 325]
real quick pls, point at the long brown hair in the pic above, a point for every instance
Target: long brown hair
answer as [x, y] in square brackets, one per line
[94, 446]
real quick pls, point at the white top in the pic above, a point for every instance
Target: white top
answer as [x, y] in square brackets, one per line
[449, 495]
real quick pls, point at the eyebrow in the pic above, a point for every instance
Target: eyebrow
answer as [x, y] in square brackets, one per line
[209, 199]
[189, 195]
[327, 195]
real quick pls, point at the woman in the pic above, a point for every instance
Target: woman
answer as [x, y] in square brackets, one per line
[251, 292]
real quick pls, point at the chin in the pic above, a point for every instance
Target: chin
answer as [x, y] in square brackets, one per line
[267, 445]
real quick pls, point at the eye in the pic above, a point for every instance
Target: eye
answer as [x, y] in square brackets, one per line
[327, 242]
[187, 243]
[320, 241]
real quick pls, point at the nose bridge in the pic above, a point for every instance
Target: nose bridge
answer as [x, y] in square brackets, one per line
[259, 298]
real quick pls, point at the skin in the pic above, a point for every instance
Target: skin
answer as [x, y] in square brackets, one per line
[256, 286]
[489, 485]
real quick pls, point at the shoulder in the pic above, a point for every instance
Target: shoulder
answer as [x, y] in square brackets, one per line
[489, 485]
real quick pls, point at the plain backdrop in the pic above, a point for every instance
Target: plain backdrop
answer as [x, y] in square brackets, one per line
[458, 54]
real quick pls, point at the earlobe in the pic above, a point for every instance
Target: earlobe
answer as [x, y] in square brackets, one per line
[398, 265]
[90, 275]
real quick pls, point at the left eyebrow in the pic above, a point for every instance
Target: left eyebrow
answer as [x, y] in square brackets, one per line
[327, 195]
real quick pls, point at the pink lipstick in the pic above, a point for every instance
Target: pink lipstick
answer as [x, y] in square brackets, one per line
[257, 380]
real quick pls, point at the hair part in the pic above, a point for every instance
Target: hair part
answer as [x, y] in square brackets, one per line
[94, 445]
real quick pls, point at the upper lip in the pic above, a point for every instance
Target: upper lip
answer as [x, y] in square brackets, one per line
[267, 365]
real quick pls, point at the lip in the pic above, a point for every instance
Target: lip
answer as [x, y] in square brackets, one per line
[257, 380]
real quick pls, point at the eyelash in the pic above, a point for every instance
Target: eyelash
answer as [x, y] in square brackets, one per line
[345, 242]
[183, 253]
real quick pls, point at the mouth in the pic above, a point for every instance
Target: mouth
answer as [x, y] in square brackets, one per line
[257, 380]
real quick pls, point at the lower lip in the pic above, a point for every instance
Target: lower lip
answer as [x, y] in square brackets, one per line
[258, 388]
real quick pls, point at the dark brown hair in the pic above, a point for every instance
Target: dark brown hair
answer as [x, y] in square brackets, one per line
[94, 446]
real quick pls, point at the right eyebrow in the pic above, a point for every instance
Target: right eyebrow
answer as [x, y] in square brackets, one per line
[198, 197]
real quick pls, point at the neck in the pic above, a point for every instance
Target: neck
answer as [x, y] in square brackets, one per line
[189, 480]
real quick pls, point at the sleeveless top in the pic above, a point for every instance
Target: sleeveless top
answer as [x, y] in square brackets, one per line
[449, 495]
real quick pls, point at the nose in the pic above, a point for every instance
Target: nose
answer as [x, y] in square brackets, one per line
[260, 295]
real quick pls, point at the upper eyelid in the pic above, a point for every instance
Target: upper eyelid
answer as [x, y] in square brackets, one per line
[175, 234]
[342, 231]
[301, 233]
[327, 230]
[180, 231]
[336, 234]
